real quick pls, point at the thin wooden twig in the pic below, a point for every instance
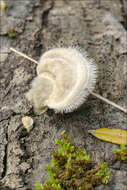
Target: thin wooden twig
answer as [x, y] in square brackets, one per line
[23, 55]
[93, 93]
[109, 102]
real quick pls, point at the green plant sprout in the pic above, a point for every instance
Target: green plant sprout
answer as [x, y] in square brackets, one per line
[11, 33]
[72, 169]
[4, 187]
[121, 154]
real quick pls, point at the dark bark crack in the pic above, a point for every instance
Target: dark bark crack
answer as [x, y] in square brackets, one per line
[5, 157]
[46, 13]
[124, 10]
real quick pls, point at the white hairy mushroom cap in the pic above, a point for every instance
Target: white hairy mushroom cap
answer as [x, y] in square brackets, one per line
[65, 78]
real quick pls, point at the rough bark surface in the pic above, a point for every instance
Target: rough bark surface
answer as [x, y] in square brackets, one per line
[99, 28]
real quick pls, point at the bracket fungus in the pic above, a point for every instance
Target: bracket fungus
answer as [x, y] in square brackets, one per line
[64, 79]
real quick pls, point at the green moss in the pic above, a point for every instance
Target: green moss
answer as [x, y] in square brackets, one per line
[72, 169]
[121, 154]
[11, 33]
[4, 187]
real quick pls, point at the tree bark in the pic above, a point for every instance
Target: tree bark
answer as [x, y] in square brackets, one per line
[98, 28]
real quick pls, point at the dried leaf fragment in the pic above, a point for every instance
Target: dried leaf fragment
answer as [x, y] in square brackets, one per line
[27, 122]
[116, 136]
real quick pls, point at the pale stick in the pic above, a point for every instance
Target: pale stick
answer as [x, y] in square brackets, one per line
[109, 102]
[23, 55]
[94, 94]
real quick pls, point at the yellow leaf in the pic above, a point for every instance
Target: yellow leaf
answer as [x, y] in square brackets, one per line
[117, 136]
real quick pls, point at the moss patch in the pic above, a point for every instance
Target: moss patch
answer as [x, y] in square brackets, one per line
[72, 169]
[121, 154]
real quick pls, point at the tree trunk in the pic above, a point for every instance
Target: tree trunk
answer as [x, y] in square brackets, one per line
[98, 27]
